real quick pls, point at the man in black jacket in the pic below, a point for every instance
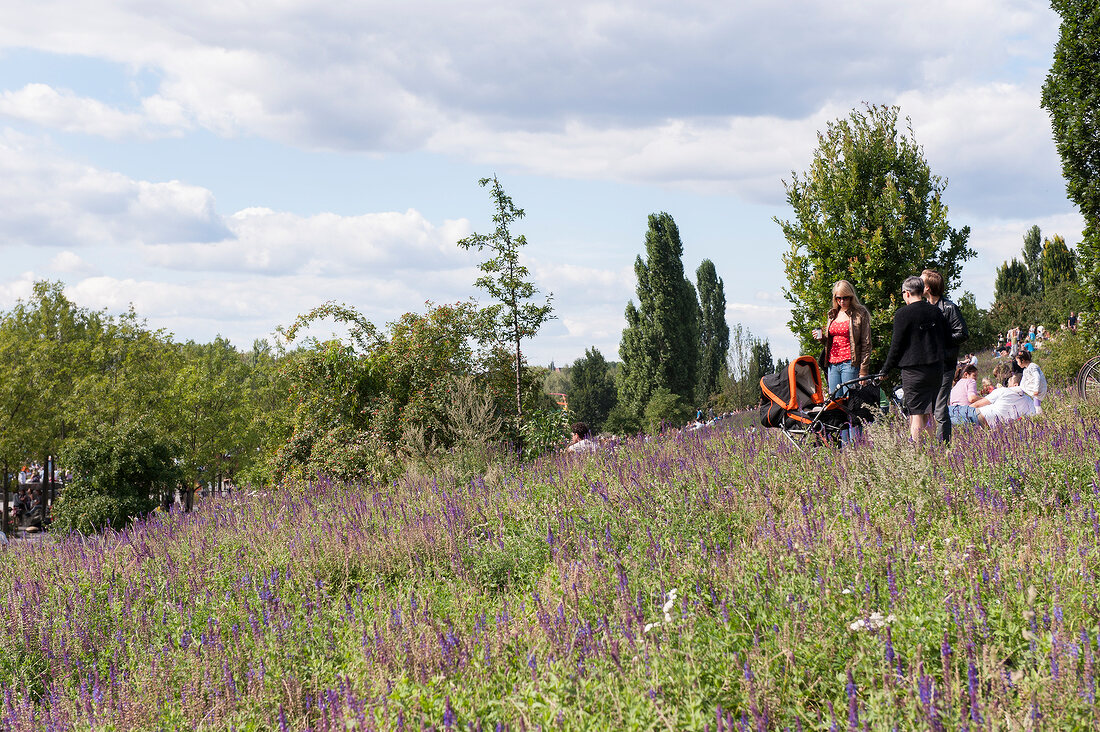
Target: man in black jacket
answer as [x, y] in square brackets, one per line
[933, 290]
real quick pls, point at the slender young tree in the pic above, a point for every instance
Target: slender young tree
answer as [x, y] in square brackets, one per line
[660, 346]
[514, 316]
[714, 333]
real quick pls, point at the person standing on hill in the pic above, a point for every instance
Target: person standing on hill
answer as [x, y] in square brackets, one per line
[933, 290]
[920, 338]
[847, 337]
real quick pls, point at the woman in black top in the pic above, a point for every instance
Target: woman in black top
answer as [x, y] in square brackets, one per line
[920, 336]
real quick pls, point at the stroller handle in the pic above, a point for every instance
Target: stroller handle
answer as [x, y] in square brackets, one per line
[870, 379]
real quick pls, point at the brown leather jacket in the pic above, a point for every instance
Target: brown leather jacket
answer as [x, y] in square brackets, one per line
[859, 330]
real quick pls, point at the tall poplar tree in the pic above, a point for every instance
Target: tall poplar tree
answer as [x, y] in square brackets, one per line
[714, 333]
[1033, 255]
[1058, 262]
[660, 346]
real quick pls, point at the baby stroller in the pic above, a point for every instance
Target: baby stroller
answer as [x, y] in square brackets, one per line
[795, 402]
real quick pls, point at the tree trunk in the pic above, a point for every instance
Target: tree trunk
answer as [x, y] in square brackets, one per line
[4, 520]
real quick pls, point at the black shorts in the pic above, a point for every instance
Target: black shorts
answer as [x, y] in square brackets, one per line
[919, 386]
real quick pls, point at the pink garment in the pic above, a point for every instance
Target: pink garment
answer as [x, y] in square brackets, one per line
[963, 391]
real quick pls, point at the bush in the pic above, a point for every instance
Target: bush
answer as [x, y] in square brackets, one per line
[666, 408]
[544, 430]
[621, 421]
[1063, 356]
[119, 472]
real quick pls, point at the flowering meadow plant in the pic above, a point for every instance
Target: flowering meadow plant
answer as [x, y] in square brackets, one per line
[718, 579]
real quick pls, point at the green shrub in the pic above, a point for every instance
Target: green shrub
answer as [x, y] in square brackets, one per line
[1063, 356]
[665, 408]
[544, 431]
[119, 472]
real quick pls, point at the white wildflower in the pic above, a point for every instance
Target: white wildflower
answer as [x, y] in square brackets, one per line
[847, 591]
[650, 626]
[874, 621]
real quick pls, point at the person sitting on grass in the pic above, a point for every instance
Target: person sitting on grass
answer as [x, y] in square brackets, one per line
[580, 441]
[1032, 380]
[1005, 404]
[964, 392]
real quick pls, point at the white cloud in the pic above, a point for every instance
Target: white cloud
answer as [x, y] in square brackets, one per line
[71, 263]
[271, 242]
[63, 110]
[704, 95]
[46, 200]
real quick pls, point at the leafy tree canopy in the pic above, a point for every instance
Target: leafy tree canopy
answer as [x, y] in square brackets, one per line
[593, 390]
[1071, 95]
[1012, 280]
[868, 210]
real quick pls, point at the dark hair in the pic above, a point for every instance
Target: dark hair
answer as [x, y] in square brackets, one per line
[933, 280]
[964, 370]
[580, 429]
[1024, 355]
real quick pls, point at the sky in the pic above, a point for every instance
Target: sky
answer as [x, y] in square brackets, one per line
[226, 166]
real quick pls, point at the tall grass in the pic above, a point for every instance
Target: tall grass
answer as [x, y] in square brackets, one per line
[719, 579]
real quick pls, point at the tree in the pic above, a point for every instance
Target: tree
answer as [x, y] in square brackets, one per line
[1058, 262]
[868, 210]
[118, 473]
[1015, 311]
[981, 334]
[762, 358]
[1012, 280]
[660, 345]
[359, 398]
[213, 410]
[747, 359]
[1071, 95]
[1033, 254]
[714, 334]
[514, 317]
[593, 391]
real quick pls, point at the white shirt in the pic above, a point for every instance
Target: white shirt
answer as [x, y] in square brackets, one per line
[582, 446]
[1007, 403]
[1033, 382]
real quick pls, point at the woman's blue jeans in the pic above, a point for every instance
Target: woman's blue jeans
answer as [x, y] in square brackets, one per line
[839, 373]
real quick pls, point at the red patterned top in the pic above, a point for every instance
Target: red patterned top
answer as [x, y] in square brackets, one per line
[841, 349]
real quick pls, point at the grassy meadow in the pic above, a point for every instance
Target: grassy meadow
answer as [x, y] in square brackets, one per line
[716, 580]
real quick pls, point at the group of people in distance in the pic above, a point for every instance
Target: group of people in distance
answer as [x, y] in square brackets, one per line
[927, 333]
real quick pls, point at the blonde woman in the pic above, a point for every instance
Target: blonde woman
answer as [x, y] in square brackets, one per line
[847, 336]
